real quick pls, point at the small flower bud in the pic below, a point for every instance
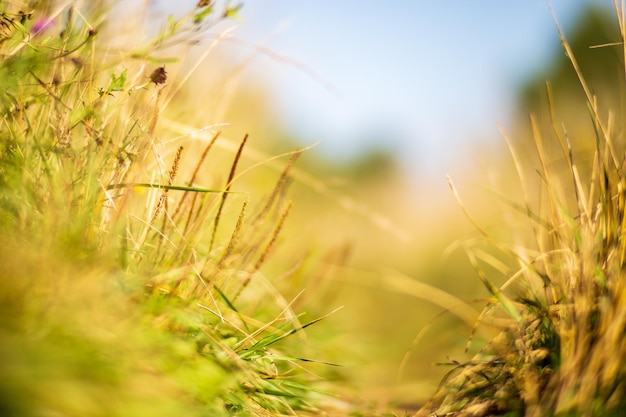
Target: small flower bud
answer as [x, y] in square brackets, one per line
[41, 25]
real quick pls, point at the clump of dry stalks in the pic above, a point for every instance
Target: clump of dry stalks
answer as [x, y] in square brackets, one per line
[557, 346]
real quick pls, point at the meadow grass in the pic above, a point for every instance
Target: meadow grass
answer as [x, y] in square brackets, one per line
[554, 331]
[137, 260]
[133, 267]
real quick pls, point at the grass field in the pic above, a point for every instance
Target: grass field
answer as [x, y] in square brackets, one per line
[155, 263]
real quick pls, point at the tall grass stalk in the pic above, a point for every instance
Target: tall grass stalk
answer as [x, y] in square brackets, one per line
[561, 350]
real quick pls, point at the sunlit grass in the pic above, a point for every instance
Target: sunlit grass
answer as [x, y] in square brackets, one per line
[133, 267]
[151, 268]
[556, 347]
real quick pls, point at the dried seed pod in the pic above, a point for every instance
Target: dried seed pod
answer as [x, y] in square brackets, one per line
[158, 76]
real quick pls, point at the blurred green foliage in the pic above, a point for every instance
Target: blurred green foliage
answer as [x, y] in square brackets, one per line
[595, 41]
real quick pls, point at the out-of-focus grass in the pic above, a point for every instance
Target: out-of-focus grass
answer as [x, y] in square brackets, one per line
[346, 231]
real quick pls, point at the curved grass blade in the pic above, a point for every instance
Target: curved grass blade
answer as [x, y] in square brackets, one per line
[170, 187]
[268, 340]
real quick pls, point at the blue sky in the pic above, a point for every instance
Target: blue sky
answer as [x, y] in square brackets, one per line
[427, 78]
[430, 80]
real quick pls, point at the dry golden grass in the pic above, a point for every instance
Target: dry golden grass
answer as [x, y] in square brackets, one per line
[557, 346]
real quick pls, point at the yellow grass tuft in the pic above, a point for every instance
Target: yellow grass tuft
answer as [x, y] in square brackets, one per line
[561, 350]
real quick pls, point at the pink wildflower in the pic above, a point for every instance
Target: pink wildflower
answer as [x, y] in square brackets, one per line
[41, 25]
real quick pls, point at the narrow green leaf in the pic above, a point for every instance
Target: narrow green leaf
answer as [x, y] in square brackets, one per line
[295, 359]
[504, 301]
[226, 300]
[233, 12]
[275, 337]
[169, 187]
[202, 13]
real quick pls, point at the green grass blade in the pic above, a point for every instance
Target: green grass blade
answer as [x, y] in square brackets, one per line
[169, 187]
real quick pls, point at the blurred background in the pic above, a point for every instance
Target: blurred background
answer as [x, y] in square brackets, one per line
[396, 95]
[423, 80]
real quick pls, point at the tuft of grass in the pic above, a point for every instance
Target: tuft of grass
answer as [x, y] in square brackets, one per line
[125, 278]
[557, 347]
